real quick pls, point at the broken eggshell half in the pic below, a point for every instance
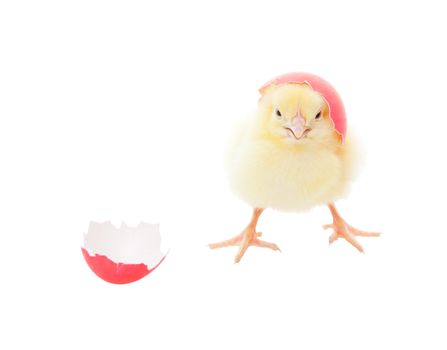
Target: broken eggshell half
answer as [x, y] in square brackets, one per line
[125, 254]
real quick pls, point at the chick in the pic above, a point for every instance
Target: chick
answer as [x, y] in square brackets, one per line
[292, 155]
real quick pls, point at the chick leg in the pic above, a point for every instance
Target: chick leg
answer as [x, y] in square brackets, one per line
[246, 238]
[343, 230]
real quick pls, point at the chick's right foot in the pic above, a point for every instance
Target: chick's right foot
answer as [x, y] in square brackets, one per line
[248, 237]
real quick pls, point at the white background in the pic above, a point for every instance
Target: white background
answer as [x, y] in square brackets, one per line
[121, 110]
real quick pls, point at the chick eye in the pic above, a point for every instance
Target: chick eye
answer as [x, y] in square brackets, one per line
[278, 113]
[318, 115]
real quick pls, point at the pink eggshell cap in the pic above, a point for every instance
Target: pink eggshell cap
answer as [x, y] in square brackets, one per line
[336, 108]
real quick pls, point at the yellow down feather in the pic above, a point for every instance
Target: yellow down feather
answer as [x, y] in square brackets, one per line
[269, 170]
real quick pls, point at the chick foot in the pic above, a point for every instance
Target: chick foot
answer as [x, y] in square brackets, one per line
[248, 237]
[343, 230]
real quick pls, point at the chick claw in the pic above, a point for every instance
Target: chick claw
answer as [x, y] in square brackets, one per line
[346, 231]
[247, 238]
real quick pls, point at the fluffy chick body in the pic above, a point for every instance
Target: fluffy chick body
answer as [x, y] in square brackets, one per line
[267, 171]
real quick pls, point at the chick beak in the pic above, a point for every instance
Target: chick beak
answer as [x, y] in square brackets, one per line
[297, 127]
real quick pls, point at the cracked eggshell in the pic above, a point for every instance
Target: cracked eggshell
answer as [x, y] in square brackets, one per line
[122, 255]
[336, 108]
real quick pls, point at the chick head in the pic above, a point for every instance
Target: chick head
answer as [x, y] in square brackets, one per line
[296, 115]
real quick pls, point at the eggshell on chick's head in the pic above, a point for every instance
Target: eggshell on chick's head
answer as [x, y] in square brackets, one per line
[336, 108]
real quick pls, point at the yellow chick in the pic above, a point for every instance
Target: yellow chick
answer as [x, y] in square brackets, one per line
[292, 155]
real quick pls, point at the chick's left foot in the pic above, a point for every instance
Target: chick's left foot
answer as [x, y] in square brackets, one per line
[343, 230]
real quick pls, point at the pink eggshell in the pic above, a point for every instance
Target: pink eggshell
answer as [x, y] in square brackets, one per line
[122, 254]
[333, 99]
[117, 273]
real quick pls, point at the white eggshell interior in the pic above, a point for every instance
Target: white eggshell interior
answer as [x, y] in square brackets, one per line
[130, 245]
